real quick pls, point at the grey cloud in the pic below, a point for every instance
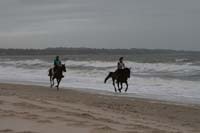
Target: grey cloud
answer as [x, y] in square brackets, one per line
[171, 24]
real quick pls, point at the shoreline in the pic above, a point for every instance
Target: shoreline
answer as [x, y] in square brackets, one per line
[45, 110]
[179, 100]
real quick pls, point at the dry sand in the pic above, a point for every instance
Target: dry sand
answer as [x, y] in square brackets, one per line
[36, 109]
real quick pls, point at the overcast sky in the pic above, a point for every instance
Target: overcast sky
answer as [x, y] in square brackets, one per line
[162, 24]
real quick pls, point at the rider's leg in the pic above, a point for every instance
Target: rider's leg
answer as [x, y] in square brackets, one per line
[54, 69]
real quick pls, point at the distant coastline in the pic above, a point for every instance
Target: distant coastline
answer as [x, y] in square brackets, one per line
[82, 51]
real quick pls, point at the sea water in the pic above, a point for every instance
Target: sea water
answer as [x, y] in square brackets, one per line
[176, 79]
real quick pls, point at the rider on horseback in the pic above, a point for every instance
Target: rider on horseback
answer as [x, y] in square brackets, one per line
[57, 63]
[120, 66]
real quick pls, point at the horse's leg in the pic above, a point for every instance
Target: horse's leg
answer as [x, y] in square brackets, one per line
[50, 81]
[121, 84]
[53, 81]
[118, 86]
[58, 81]
[114, 84]
[57, 84]
[126, 86]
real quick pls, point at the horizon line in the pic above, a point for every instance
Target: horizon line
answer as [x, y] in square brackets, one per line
[180, 50]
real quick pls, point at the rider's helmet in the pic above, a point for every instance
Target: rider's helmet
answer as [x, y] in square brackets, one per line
[121, 58]
[57, 57]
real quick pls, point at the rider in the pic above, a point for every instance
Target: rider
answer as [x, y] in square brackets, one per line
[120, 66]
[57, 63]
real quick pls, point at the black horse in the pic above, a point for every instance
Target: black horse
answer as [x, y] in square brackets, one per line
[119, 78]
[58, 75]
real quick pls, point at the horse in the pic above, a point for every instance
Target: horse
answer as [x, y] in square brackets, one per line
[58, 75]
[119, 78]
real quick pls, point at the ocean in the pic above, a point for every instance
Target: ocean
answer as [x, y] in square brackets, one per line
[172, 77]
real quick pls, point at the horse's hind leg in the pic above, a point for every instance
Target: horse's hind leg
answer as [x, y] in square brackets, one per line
[51, 82]
[114, 85]
[126, 86]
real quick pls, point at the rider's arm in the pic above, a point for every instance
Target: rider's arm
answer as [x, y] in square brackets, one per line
[118, 65]
[123, 65]
[54, 62]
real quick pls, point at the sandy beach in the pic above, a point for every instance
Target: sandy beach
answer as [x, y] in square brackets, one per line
[37, 109]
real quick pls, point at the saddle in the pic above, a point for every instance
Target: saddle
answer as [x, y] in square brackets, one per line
[119, 72]
[122, 73]
[56, 69]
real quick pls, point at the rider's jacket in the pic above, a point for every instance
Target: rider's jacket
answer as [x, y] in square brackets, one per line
[57, 62]
[120, 65]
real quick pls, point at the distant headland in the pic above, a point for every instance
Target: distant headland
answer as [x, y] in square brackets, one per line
[82, 51]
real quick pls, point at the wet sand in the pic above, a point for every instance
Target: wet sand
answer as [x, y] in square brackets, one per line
[37, 109]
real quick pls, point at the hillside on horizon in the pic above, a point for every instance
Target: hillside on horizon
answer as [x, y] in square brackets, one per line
[76, 51]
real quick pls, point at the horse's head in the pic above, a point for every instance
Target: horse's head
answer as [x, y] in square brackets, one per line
[127, 72]
[63, 68]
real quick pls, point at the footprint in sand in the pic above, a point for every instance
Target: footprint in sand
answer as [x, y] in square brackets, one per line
[44, 121]
[105, 129]
[26, 132]
[6, 131]
[1, 102]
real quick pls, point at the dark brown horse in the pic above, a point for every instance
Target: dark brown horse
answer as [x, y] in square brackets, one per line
[58, 75]
[119, 78]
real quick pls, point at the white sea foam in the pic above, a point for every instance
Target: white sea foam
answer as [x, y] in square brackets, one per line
[169, 80]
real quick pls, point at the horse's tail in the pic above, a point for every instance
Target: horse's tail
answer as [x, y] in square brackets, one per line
[109, 76]
[50, 72]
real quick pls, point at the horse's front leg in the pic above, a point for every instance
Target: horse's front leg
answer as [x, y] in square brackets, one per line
[58, 83]
[57, 86]
[119, 88]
